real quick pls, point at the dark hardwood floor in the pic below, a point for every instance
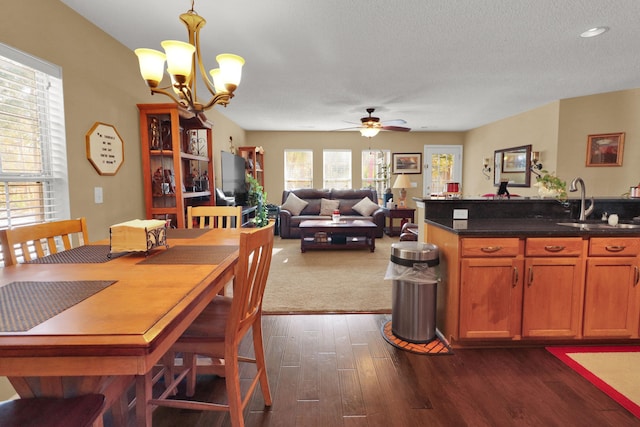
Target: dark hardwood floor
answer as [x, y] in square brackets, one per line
[337, 370]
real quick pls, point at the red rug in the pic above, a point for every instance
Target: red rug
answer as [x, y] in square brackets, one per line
[565, 355]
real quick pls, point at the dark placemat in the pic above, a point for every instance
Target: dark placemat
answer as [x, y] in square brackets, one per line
[186, 233]
[24, 305]
[190, 255]
[87, 254]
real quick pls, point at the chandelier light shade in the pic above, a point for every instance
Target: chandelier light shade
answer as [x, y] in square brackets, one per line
[183, 60]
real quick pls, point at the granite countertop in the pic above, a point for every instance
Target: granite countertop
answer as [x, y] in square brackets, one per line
[523, 227]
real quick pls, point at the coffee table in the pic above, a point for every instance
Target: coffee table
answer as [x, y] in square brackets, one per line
[345, 234]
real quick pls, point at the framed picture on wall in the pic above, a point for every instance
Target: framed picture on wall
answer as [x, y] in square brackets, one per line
[406, 163]
[605, 149]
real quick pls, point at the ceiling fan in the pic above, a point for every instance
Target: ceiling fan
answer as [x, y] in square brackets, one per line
[370, 126]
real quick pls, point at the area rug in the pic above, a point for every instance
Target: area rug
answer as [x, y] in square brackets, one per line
[613, 369]
[328, 281]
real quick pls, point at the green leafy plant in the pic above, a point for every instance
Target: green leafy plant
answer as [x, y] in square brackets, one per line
[550, 185]
[258, 197]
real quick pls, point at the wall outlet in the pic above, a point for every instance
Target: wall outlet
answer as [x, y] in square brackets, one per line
[460, 214]
[97, 195]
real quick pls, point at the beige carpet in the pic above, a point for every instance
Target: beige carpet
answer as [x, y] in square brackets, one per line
[328, 281]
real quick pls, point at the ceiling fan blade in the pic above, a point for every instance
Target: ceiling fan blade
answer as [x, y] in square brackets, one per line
[396, 128]
[395, 122]
[349, 128]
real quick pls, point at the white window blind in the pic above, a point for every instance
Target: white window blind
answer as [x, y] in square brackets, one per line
[337, 169]
[33, 160]
[298, 169]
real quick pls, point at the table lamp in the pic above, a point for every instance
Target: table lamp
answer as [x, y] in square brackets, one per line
[402, 182]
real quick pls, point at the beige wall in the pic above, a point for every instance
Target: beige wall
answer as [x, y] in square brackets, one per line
[560, 130]
[537, 127]
[604, 113]
[274, 144]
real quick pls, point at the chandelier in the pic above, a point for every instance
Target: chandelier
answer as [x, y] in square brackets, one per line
[182, 59]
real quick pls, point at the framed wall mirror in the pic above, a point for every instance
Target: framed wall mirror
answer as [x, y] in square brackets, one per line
[512, 165]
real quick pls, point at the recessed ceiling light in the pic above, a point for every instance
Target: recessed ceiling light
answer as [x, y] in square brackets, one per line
[595, 31]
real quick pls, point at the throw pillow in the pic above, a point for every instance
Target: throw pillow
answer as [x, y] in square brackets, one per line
[365, 207]
[328, 206]
[294, 204]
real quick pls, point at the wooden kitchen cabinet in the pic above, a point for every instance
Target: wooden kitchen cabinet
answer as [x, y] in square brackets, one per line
[490, 288]
[553, 289]
[612, 291]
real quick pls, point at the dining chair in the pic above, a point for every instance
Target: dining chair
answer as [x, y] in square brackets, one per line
[38, 240]
[80, 411]
[219, 329]
[215, 216]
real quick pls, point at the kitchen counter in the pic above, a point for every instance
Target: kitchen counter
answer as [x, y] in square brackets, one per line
[520, 227]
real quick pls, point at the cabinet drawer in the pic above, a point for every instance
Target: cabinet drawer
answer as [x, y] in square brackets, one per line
[545, 246]
[481, 247]
[614, 246]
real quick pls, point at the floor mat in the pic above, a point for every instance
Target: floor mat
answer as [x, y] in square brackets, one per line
[613, 369]
[439, 346]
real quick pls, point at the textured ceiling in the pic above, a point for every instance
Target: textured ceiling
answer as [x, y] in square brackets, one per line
[441, 65]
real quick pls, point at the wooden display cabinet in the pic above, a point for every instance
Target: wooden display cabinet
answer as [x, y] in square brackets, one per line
[254, 162]
[177, 166]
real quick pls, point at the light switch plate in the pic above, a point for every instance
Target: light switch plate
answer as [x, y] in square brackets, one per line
[460, 214]
[97, 194]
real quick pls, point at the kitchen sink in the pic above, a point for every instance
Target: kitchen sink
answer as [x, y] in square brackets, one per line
[596, 226]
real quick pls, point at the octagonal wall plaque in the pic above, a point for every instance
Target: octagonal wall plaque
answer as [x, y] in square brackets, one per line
[105, 148]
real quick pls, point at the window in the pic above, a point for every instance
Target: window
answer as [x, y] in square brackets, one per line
[298, 169]
[33, 159]
[376, 170]
[336, 169]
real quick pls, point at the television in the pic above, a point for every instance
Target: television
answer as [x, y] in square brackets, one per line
[233, 177]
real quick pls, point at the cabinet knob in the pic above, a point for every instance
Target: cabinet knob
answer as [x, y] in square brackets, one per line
[554, 248]
[491, 249]
[615, 248]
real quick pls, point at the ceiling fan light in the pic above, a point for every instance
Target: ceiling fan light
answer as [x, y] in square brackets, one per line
[230, 70]
[151, 63]
[179, 58]
[369, 132]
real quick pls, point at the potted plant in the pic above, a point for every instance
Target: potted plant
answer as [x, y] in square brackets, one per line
[549, 185]
[258, 197]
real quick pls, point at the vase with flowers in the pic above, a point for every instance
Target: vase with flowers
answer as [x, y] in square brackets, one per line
[549, 185]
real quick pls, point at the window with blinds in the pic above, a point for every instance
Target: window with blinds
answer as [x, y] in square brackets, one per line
[33, 160]
[336, 169]
[298, 169]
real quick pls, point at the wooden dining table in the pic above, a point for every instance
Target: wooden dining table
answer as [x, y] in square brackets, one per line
[116, 334]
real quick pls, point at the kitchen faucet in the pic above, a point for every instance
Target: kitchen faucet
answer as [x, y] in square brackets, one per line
[584, 213]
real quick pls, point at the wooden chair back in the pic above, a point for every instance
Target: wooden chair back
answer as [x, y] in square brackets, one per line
[219, 330]
[38, 240]
[256, 248]
[215, 216]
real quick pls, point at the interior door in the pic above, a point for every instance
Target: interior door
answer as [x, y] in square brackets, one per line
[442, 164]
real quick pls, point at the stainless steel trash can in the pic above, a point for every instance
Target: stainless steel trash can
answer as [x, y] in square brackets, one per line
[413, 268]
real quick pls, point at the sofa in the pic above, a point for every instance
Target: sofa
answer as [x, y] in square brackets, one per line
[306, 203]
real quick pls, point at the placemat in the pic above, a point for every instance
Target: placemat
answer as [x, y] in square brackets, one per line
[24, 305]
[87, 254]
[186, 233]
[190, 255]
